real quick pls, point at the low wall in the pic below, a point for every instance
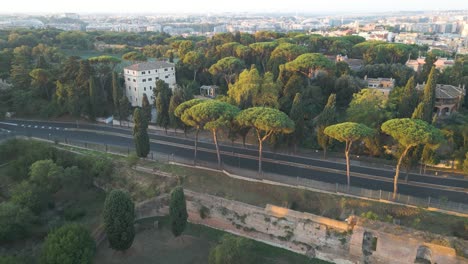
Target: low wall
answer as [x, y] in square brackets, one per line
[324, 238]
[395, 244]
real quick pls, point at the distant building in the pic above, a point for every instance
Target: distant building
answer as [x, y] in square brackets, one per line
[220, 29]
[417, 64]
[442, 63]
[154, 28]
[448, 98]
[385, 85]
[354, 64]
[141, 78]
[208, 90]
[71, 15]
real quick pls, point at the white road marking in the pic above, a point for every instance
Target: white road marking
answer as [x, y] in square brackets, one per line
[35, 126]
[50, 127]
[11, 124]
[43, 127]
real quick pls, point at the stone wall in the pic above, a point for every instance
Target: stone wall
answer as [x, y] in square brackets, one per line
[361, 241]
[389, 243]
[304, 233]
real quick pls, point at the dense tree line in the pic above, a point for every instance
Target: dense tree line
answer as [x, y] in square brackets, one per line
[288, 72]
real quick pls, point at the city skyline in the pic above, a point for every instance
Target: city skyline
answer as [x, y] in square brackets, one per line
[209, 6]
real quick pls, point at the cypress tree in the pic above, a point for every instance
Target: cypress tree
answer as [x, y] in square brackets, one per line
[140, 133]
[92, 99]
[116, 92]
[409, 99]
[297, 115]
[178, 211]
[124, 109]
[326, 118]
[84, 74]
[162, 95]
[119, 215]
[146, 108]
[425, 109]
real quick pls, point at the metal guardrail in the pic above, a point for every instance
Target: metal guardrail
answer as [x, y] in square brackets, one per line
[429, 202]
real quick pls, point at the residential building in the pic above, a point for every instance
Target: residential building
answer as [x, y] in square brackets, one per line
[141, 79]
[208, 90]
[442, 63]
[354, 64]
[417, 64]
[385, 85]
[448, 99]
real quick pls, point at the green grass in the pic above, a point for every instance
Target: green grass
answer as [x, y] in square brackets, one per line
[196, 242]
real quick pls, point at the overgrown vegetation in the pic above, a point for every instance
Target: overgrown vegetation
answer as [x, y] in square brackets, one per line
[44, 188]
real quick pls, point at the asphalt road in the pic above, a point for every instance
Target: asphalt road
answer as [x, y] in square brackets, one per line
[294, 166]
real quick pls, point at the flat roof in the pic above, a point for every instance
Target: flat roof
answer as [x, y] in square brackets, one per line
[149, 65]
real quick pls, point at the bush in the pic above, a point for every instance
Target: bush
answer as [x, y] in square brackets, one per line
[119, 218]
[15, 222]
[14, 260]
[370, 215]
[233, 250]
[204, 212]
[102, 168]
[47, 174]
[73, 213]
[24, 153]
[460, 229]
[132, 160]
[31, 196]
[71, 243]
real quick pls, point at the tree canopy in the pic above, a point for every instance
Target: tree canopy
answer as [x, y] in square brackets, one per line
[410, 133]
[348, 132]
[71, 243]
[266, 122]
[212, 115]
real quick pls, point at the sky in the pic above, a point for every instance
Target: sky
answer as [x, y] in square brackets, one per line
[211, 6]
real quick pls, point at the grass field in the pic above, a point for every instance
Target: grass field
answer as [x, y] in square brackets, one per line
[159, 246]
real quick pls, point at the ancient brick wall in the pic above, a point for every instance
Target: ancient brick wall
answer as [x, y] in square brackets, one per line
[328, 239]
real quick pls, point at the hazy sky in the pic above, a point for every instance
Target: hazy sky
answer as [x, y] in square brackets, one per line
[206, 6]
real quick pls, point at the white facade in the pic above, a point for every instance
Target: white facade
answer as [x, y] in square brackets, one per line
[141, 78]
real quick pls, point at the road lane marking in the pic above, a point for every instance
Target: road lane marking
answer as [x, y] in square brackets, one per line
[10, 124]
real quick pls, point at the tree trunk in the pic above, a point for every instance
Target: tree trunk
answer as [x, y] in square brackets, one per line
[243, 140]
[397, 172]
[260, 149]
[194, 75]
[348, 147]
[195, 152]
[215, 139]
